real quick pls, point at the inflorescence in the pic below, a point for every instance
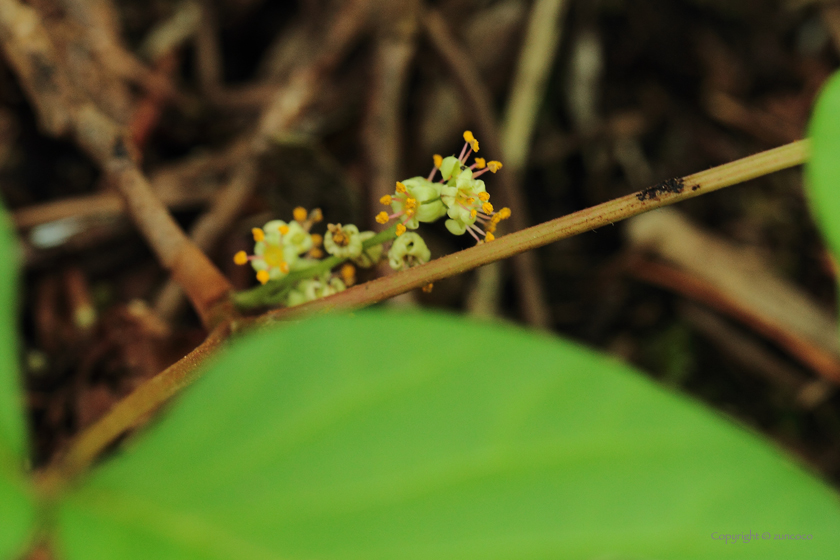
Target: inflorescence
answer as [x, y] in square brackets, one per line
[286, 251]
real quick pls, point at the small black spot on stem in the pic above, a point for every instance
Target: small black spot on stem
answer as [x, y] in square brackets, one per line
[44, 73]
[675, 186]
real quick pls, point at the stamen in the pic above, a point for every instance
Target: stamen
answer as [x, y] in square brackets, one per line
[284, 230]
[386, 200]
[494, 166]
[401, 188]
[240, 258]
[317, 239]
[262, 276]
[487, 207]
[259, 235]
[428, 288]
[489, 237]
[480, 163]
[400, 229]
[438, 160]
[382, 218]
[484, 196]
[470, 139]
[299, 214]
[348, 274]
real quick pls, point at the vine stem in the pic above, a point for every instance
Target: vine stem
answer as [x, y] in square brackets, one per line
[149, 396]
[662, 194]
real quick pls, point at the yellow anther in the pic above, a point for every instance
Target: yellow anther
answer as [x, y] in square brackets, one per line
[489, 237]
[470, 200]
[316, 215]
[409, 212]
[400, 188]
[284, 230]
[341, 239]
[491, 227]
[316, 253]
[473, 213]
[484, 196]
[438, 160]
[300, 214]
[262, 276]
[382, 218]
[470, 139]
[487, 207]
[284, 267]
[494, 166]
[259, 234]
[386, 200]
[504, 213]
[480, 163]
[348, 274]
[428, 288]
[317, 239]
[240, 258]
[400, 229]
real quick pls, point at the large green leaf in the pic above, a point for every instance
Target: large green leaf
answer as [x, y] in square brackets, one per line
[382, 436]
[823, 169]
[16, 510]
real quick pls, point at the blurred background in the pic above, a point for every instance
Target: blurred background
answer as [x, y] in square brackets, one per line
[242, 110]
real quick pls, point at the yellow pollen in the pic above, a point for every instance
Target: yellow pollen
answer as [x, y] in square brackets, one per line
[340, 238]
[438, 160]
[259, 234]
[491, 227]
[470, 200]
[240, 258]
[400, 229]
[473, 213]
[300, 214]
[487, 207]
[480, 163]
[504, 213]
[273, 255]
[409, 212]
[428, 288]
[484, 196]
[316, 215]
[284, 230]
[489, 237]
[382, 218]
[317, 239]
[262, 276]
[468, 136]
[494, 166]
[411, 203]
[316, 253]
[348, 274]
[400, 188]
[386, 200]
[284, 267]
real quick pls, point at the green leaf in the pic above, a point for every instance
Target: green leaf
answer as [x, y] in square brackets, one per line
[381, 436]
[823, 169]
[16, 507]
[12, 432]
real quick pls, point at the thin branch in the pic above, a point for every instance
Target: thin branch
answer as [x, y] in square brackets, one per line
[62, 108]
[128, 413]
[529, 285]
[147, 397]
[278, 119]
[662, 194]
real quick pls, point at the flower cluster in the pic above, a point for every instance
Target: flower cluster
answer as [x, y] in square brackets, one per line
[289, 253]
[459, 194]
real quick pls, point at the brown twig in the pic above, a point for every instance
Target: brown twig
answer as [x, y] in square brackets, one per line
[529, 285]
[656, 196]
[125, 415]
[277, 120]
[90, 443]
[63, 108]
[819, 359]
